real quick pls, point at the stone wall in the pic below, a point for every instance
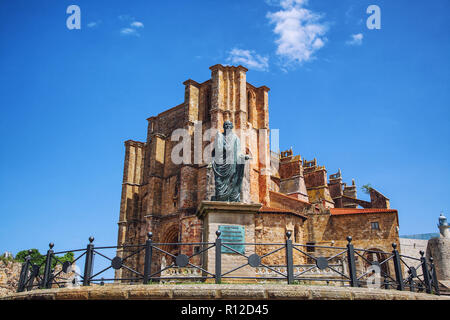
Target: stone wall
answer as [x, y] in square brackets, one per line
[9, 277]
[326, 229]
[272, 228]
[10, 274]
[412, 247]
[439, 249]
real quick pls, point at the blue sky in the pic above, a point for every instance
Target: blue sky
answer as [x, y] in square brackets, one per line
[374, 103]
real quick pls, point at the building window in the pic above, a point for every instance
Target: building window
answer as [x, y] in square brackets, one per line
[375, 226]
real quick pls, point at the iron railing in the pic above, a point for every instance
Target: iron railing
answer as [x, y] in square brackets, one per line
[345, 266]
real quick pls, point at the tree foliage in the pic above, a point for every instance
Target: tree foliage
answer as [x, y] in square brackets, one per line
[39, 259]
[6, 259]
[366, 188]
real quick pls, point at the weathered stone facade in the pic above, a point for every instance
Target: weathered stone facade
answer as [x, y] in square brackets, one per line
[9, 277]
[10, 274]
[439, 249]
[295, 195]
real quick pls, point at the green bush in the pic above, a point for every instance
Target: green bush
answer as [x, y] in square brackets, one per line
[5, 260]
[39, 259]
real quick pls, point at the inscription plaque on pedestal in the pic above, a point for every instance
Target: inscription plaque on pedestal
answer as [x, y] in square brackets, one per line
[234, 234]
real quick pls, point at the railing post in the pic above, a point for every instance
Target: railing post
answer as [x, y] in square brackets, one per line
[21, 278]
[48, 267]
[218, 273]
[148, 257]
[386, 282]
[34, 274]
[419, 287]
[351, 263]
[397, 268]
[434, 277]
[289, 259]
[411, 281]
[425, 272]
[24, 273]
[88, 262]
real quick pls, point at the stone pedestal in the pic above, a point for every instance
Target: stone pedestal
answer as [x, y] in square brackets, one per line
[217, 214]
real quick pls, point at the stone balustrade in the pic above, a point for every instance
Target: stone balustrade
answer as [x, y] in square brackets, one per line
[189, 272]
[314, 272]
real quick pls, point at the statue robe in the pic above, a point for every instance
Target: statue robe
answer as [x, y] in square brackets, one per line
[228, 165]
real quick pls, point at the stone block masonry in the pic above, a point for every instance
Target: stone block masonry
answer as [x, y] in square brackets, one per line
[9, 277]
[162, 197]
[219, 292]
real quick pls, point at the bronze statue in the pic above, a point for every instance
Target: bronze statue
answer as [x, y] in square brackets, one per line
[228, 165]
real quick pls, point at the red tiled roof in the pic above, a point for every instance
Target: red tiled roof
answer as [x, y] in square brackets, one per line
[289, 197]
[341, 211]
[271, 209]
[278, 210]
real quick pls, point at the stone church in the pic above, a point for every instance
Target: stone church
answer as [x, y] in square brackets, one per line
[289, 194]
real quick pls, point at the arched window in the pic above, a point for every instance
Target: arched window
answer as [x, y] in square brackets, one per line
[376, 256]
[207, 115]
[170, 242]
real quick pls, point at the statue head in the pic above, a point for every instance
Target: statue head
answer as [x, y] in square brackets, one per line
[227, 125]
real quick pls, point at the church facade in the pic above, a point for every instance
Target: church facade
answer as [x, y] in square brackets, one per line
[294, 194]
